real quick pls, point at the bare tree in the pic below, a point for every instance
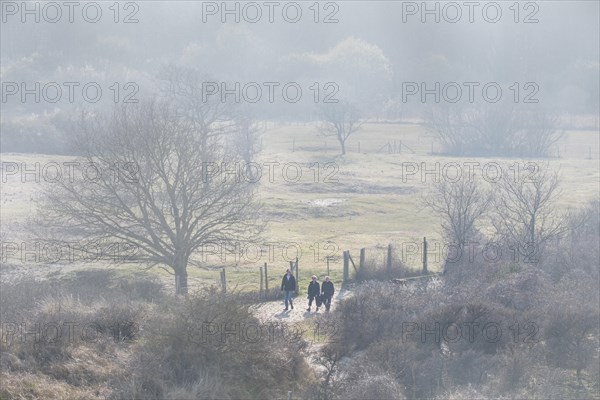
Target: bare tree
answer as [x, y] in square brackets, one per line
[483, 130]
[460, 205]
[448, 127]
[525, 208]
[570, 337]
[494, 130]
[328, 359]
[339, 120]
[538, 134]
[209, 115]
[246, 140]
[165, 201]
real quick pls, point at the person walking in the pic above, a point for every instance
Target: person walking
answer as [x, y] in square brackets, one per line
[327, 290]
[313, 291]
[288, 286]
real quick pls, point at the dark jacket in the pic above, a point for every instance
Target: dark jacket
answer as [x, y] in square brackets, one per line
[327, 288]
[313, 289]
[288, 284]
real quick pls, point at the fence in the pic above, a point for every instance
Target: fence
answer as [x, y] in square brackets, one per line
[389, 268]
[264, 291]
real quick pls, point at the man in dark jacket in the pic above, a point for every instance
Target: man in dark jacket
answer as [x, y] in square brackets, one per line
[288, 286]
[328, 290]
[313, 291]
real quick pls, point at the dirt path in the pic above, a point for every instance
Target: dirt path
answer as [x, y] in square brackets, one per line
[272, 311]
[313, 323]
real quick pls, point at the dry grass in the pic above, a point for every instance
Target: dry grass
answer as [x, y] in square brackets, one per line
[369, 206]
[29, 386]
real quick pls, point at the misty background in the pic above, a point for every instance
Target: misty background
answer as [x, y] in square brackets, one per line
[175, 249]
[369, 53]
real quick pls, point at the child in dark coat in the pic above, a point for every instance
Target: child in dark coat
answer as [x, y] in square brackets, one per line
[313, 291]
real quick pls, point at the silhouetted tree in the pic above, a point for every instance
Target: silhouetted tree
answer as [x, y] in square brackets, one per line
[166, 200]
[339, 120]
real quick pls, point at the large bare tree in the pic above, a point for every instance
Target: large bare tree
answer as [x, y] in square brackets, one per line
[166, 198]
[525, 212]
[339, 120]
[460, 205]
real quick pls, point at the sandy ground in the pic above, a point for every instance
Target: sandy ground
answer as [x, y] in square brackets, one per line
[313, 324]
[272, 311]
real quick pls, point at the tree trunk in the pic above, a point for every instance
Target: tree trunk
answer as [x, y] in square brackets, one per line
[532, 230]
[181, 286]
[181, 276]
[343, 145]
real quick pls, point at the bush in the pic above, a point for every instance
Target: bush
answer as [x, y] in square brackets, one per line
[66, 333]
[544, 326]
[186, 350]
[371, 385]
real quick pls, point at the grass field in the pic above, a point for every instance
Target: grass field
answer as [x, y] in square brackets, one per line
[364, 199]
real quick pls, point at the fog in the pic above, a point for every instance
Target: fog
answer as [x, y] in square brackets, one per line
[369, 51]
[374, 140]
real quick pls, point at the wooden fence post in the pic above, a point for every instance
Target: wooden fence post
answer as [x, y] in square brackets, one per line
[389, 258]
[361, 262]
[346, 266]
[294, 269]
[260, 292]
[424, 256]
[297, 276]
[289, 395]
[352, 261]
[327, 258]
[266, 279]
[223, 281]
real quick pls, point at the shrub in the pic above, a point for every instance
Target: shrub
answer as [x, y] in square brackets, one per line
[185, 348]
